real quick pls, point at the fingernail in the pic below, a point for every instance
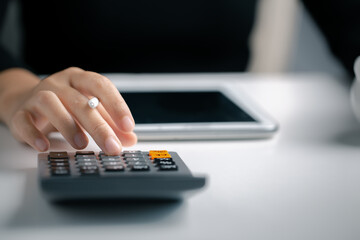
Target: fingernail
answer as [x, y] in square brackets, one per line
[40, 144]
[80, 140]
[127, 124]
[112, 147]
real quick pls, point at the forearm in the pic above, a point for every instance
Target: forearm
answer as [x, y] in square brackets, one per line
[15, 84]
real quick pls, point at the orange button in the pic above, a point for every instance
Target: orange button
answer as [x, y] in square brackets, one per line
[158, 151]
[159, 154]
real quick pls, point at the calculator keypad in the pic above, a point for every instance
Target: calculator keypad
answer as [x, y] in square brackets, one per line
[135, 161]
[163, 160]
[59, 163]
[87, 163]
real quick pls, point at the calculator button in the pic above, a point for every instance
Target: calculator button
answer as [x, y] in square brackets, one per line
[58, 160]
[137, 164]
[59, 168]
[112, 163]
[79, 153]
[136, 168]
[155, 152]
[59, 164]
[155, 160]
[132, 151]
[158, 152]
[131, 164]
[166, 155]
[126, 155]
[83, 168]
[109, 156]
[60, 172]
[134, 159]
[102, 155]
[86, 160]
[114, 168]
[113, 158]
[87, 163]
[79, 164]
[89, 172]
[85, 157]
[168, 167]
[54, 155]
[164, 162]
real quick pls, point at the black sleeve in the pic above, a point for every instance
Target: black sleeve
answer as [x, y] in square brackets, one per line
[6, 59]
[340, 23]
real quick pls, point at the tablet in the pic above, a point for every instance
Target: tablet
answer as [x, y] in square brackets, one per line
[196, 112]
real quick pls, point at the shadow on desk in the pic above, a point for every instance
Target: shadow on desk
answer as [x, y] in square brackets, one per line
[36, 211]
[349, 138]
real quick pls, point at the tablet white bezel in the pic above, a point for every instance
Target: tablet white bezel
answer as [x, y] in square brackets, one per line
[264, 127]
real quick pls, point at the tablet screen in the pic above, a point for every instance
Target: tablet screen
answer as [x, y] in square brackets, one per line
[183, 107]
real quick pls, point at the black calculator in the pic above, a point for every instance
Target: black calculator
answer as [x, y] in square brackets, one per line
[155, 174]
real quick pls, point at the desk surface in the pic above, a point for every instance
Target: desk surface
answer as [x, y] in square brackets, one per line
[302, 184]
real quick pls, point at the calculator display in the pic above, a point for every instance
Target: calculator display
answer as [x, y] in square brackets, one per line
[184, 107]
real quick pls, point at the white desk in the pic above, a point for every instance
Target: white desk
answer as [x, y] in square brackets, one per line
[302, 184]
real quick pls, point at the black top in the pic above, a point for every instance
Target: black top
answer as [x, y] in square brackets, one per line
[137, 35]
[159, 35]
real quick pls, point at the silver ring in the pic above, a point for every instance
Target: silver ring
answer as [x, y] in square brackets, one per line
[93, 102]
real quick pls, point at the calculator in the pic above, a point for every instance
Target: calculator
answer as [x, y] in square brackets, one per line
[81, 175]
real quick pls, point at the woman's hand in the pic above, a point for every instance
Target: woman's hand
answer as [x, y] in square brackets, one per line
[61, 101]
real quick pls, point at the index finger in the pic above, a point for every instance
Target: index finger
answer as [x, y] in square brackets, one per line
[101, 87]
